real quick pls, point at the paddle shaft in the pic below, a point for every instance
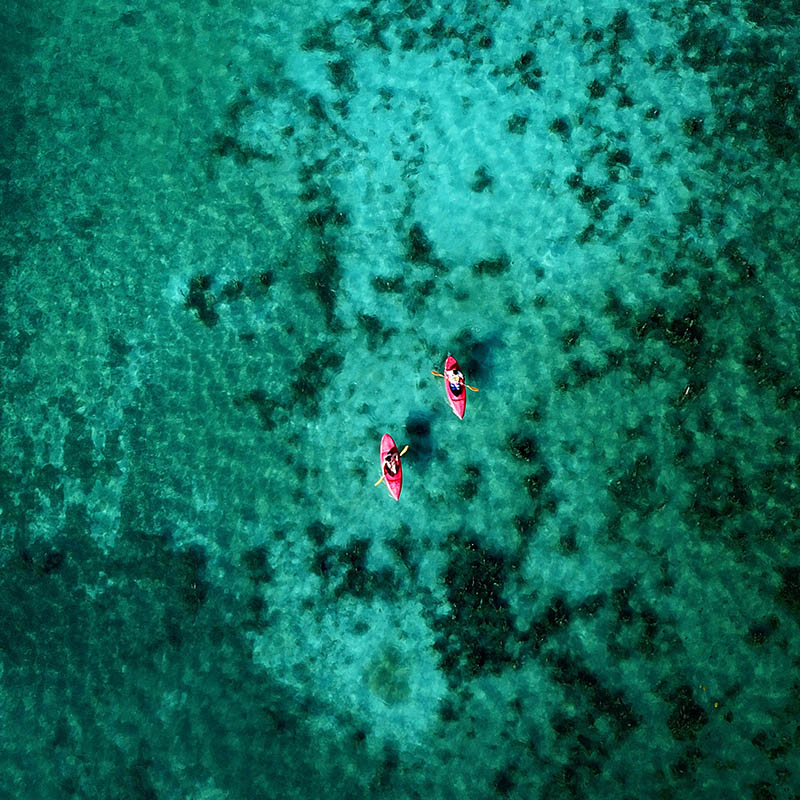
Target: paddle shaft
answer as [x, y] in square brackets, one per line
[439, 375]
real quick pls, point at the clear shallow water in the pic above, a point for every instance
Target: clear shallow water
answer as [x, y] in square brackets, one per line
[236, 240]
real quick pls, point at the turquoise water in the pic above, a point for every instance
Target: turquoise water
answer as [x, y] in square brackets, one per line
[237, 238]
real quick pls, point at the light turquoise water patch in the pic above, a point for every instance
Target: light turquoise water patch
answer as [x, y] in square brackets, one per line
[237, 238]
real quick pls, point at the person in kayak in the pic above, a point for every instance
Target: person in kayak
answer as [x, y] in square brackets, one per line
[456, 380]
[391, 462]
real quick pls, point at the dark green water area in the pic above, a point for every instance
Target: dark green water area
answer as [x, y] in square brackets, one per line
[236, 237]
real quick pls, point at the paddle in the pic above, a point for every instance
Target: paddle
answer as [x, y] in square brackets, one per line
[439, 375]
[402, 453]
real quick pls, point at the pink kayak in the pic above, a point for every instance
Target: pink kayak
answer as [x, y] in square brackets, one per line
[457, 400]
[394, 483]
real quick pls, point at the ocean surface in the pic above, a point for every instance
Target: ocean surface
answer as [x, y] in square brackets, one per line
[236, 239]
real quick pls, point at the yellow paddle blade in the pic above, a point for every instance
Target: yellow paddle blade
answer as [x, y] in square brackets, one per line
[379, 481]
[403, 451]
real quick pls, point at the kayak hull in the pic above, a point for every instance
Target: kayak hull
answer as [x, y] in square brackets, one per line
[394, 483]
[458, 402]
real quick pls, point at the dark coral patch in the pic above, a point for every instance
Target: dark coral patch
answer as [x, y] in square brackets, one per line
[517, 123]
[52, 561]
[575, 180]
[769, 370]
[232, 290]
[393, 285]
[584, 372]
[504, 781]
[201, 300]
[323, 37]
[621, 25]
[314, 374]
[687, 764]
[345, 571]
[358, 580]
[482, 180]
[523, 447]
[492, 266]
[692, 217]
[524, 525]
[529, 73]
[419, 250]
[418, 429]
[342, 76]
[593, 198]
[43, 564]
[687, 718]
[759, 632]
[783, 94]
[745, 270]
[226, 146]
[619, 157]
[720, 494]
[693, 126]
[319, 532]
[591, 605]
[570, 339]
[568, 671]
[324, 281]
[525, 61]
[447, 710]
[568, 543]
[264, 405]
[624, 100]
[620, 599]
[469, 487]
[130, 19]
[326, 215]
[593, 35]
[561, 127]
[685, 333]
[419, 293]
[376, 333]
[472, 638]
[557, 614]
[789, 592]
[780, 136]
[634, 488]
[400, 546]
[190, 577]
[537, 481]
[596, 90]
[256, 561]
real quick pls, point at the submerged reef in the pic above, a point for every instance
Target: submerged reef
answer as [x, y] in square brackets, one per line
[590, 586]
